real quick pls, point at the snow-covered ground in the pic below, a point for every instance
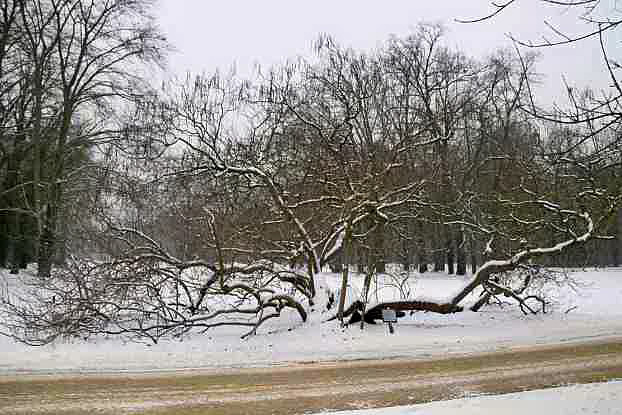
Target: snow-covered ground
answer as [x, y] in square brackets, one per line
[595, 398]
[592, 311]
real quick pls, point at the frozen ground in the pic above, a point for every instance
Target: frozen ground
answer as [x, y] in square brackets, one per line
[591, 312]
[595, 398]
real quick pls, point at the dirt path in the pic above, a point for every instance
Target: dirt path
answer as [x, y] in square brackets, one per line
[303, 388]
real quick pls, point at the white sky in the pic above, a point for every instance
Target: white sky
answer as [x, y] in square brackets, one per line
[217, 34]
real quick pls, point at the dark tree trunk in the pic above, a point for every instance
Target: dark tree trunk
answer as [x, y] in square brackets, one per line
[347, 255]
[14, 245]
[439, 263]
[378, 251]
[366, 287]
[336, 263]
[359, 258]
[3, 240]
[406, 255]
[617, 240]
[438, 249]
[47, 239]
[460, 254]
[13, 217]
[422, 253]
[473, 249]
[357, 309]
[46, 251]
[449, 249]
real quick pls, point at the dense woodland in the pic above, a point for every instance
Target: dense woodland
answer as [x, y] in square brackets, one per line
[213, 200]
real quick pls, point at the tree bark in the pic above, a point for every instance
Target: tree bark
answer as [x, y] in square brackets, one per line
[47, 239]
[449, 249]
[347, 242]
[422, 257]
[379, 263]
[406, 255]
[460, 254]
[473, 250]
[617, 240]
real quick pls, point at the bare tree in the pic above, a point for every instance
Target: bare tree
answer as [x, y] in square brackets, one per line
[72, 64]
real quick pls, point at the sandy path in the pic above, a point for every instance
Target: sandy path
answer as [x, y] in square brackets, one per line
[300, 388]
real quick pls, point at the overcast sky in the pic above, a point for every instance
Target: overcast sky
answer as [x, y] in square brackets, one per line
[216, 34]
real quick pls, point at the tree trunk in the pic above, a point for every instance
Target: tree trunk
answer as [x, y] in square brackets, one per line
[37, 149]
[4, 231]
[357, 313]
[336, 263]
[366, 285]
[13, 217]
[449, 249]
[617, 240]
[13, 251]
[347, 243]
[439, 263]
[460, 254]
[46, 248]
[473, 250]
[378, 254]
[406, 255]
[47, 239]
[422, 257]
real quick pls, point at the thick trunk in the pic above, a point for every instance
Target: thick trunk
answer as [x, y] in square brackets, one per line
[439, 263]
[406, 255]
[46, 249]
[473, 264]
[414, 305]
[379, 263]
[12, 254]
[482, 301]
[617, 240]
[13, 216]
[473, 249]
[438, 249]
[48, 237]
[336, 263]
[37, 150]
[422, 257]
[13, 247]
[346, 247]
[444, 233]
[460, 254]
[358, 257]
[3, 240]
[449, 249]
[357, 309]
[366, 286]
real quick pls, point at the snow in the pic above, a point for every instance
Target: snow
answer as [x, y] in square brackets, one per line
[590, 312]
[595, 398]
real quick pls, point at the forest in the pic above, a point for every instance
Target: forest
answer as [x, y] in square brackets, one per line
[151, 209]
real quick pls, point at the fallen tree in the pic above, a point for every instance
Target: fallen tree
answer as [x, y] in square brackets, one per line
[486, 276]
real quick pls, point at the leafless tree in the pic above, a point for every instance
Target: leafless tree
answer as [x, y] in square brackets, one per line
[71, 63]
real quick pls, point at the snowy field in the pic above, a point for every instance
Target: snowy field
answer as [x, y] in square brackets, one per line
[591, 311]
[595, 398]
